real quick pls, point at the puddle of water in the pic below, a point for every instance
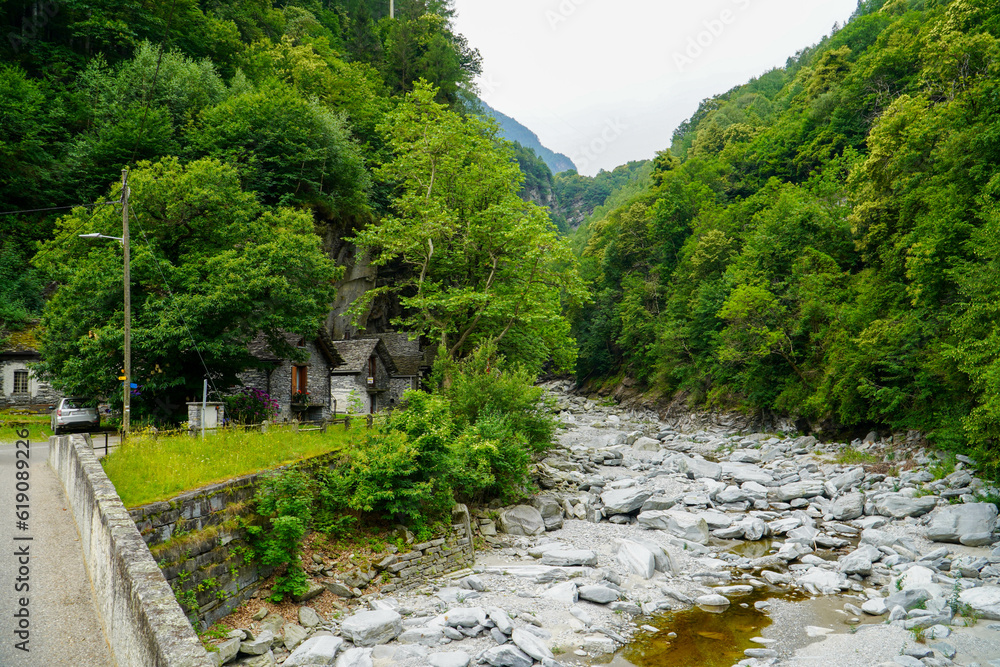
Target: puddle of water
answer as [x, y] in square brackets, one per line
[704, 639]
[707, 639]
[752, 550]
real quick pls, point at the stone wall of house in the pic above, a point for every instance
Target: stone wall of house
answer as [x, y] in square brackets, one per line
[397, 387]
[278, 385]
[341, 387]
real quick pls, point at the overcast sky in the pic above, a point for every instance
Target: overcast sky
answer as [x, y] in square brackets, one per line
[608, 81]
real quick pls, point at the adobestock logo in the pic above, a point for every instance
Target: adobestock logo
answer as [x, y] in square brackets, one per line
[562, 12]
[704, 39]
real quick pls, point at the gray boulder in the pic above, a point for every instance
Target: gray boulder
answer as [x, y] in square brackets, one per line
[319, 650]
[860, 560]
[699, 468]
[501, 620]
[531, 644]
[646, 445]
[370, 628]
[598, 594]
[465, 617]
[353, 657]
[847, 507]
[809, 488]
[449, 659]
[551, 511]
[522, 520]
[259, 645]
[636, 558]
[507, 656]
[953, 522]
[686, 525]
[899, 506]
[570, 557]
[624, 501]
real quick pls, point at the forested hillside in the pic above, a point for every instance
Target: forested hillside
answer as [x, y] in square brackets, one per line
[823, 241]
[266, 141]
[512, 130]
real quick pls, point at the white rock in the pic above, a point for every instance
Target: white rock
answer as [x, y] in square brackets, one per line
[530, 644]
[449, 659]
[570, 557]
[637, 558]
[315, 651]
[507, 655]
[465, 617]
[819, 581]
[898, 506]
[624, 501]
[369, 628]
[875, 607]
[809, 488]
[522, 520]
[353, 657]
[984, 600]
[712, 600]
[564, 592]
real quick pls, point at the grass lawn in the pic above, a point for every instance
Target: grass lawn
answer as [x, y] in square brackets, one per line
[151, 468]
[37, 425]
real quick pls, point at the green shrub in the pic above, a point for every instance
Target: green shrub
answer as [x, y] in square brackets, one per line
[400, 466]
[285, 499]
[491, 460]
[483, 384]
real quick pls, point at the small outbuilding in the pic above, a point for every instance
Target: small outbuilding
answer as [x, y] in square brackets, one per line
[361, 383]
[19, 387]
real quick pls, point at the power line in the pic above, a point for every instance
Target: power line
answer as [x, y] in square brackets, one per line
[58, 208]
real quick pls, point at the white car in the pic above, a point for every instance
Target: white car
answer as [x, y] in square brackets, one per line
[73, 413]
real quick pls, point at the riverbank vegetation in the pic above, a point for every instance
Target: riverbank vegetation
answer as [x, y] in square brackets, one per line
[822, 241]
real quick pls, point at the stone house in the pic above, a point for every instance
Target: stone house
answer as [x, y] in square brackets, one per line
[18, 385]
[301, 389]
[409, 361]
[361, 383]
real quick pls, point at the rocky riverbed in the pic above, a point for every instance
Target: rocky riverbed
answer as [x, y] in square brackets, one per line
[876, 552]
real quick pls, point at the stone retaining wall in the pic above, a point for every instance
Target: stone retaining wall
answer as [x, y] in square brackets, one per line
[137, 609]
[199, 541]
[426, 560]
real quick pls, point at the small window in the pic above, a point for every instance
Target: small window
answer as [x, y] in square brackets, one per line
[300, 381]
[371, 366]
[20, 382]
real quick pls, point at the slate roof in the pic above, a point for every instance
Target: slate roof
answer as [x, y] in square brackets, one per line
[260, 349]
[355, 355]
[404, 352]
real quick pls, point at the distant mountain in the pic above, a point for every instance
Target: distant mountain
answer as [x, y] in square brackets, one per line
[514, 131]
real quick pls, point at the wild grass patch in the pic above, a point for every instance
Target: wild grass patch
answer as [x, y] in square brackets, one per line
[150, 467]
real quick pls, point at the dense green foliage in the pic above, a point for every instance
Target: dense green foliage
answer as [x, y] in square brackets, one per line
[290, 94]
[482, 263]
[822, 240]
[212, 268]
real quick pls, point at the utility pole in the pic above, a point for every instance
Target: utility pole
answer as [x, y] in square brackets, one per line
[127, 407]
[392, 9]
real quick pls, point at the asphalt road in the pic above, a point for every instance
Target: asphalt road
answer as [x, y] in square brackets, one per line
[63, 627]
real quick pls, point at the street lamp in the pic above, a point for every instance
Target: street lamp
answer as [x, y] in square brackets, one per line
[127, 406]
